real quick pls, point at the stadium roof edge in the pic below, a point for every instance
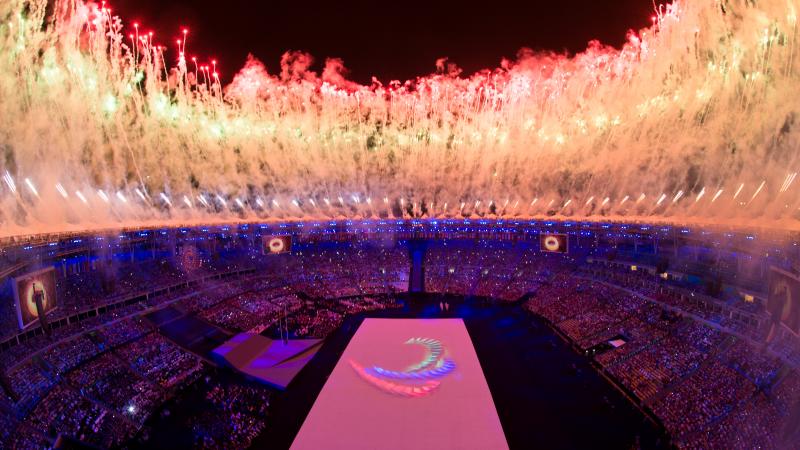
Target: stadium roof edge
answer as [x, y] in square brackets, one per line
[34, 238]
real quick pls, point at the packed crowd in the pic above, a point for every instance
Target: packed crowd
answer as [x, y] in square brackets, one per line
[100, 378]
[351, 270]
[66, 411]
[110, 381]
[729, 311]
[694, 364]
[317, 318]
[102, 397]
[97, 380]
[701, 381]
[502, 270]
[95, 309]
[227, 414]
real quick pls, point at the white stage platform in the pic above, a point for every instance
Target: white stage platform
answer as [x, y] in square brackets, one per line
[405, 384]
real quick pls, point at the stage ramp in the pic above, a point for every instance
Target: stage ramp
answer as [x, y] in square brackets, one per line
[405, 383]
[271, 362]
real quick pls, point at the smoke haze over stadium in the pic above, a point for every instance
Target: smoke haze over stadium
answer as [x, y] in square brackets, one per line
[689, 120]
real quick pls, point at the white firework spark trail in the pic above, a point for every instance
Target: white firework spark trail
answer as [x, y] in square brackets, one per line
[705, 97]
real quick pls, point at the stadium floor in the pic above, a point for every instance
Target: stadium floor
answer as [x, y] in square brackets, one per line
[547, 395]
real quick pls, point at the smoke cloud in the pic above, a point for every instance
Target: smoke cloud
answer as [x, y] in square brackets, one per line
[694, 120]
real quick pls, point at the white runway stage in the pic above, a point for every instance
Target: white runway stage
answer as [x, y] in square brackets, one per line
[401, 384]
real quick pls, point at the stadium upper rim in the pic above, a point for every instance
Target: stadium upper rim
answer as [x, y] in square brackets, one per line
[777, 234]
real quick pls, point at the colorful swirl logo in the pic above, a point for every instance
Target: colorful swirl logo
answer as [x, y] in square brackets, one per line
[417, 380]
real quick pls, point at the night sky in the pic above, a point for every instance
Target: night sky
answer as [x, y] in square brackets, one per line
[390, 40]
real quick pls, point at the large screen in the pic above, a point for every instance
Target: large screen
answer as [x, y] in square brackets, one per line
[555, 243]
[276, 244]
[784, 299]
[31, 287]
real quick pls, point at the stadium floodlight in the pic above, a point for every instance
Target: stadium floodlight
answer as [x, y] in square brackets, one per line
[61, 190]
[140, 194]
[700, 194]
[10, 182]
[80, 196]
[31, 187]
[166, 199]
[738, 191]
[758, 191]
[788, 181]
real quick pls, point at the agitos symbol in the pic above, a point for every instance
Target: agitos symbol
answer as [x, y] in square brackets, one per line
[417, 380]
[276, 244]
[553, 243]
